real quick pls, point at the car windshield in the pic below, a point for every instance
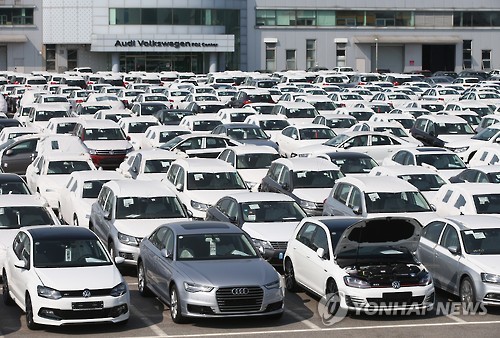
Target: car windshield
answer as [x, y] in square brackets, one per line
[65, 128]
[140, 127]
[215, 181]
[92, 188]
[273, 124]
[148, 207]
[240, 117]
[45, 115]
[441, 161]
[486, 134]
[69, 253]
[481, 241]
[361, 115]
[295, 113]
[247, 134]
[315, 179]
[106, 98]
[214, 247]
[395, 202]
[104, 134]
[16, 217]
[481, 111]
[66, 167]
[316, 133]
[355, 165]
[272, 211]
[166, 136]
[424, 182]
[91, 110]
[157, 166]
[454, 128]
[340, 123]
[14, 188]
[255, 161]
[494, 177]
[147, 109]
[399, 132]
[155, 98]
[487, 203]
[207, 125]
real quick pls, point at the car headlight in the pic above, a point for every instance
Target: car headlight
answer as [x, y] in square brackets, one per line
[273, 285]
[425, 279]
[200, 206]
[490, 278]
[92, 151]
[47, 292]
[356, 282]
[262, 245]
[128, 150]
[119, 290]
[460, 150]
[308, 204]
[128, 240]
[193, 287]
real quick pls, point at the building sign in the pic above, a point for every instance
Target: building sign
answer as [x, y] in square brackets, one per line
[159, 43]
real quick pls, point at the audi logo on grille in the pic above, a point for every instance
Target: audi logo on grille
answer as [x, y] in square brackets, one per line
[240, 291]
[396, 284]
[86, 293]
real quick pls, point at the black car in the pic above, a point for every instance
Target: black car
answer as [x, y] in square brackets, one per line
[12, 184]
[205, 107]
[172, 116]
[351, 162]
[17, 154]
[9, 123]
[488, 174]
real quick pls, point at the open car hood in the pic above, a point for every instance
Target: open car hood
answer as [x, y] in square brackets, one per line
[395, 232]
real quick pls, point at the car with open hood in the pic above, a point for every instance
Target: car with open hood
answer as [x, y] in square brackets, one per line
[360, 265]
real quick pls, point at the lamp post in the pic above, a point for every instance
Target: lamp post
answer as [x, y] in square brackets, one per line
[376, 54]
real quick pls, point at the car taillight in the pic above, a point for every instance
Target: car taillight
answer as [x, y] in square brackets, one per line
[247, 102]
[78, 101]
[440, 99]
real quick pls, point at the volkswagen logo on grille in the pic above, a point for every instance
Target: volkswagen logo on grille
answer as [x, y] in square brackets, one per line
[111, 152]
[396, 284]
[240, 291]
[86, 293]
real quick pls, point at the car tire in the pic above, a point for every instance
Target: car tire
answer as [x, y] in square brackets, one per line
[175, 306]
[332, 291]
[290, 282]
[7, 299]
[30, 322]
[467, 293]
[142, 284]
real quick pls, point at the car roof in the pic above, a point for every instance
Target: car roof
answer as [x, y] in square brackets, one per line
[428, 150]
[156, 153]
[293, 104]
[465, 222]
[307, 163]
[443, 118]
[6, 177]
[204, 165]
[252, 149]
[59, 233]
[101, 123]
[20, 200]
[244, 197]
[491, 168]
[378, 183]
[405, 170]
[132, 188]
[84, 175]
[203, 227]
[468, 188]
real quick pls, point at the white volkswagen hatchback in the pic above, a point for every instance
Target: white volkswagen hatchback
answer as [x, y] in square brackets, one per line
[63, 275]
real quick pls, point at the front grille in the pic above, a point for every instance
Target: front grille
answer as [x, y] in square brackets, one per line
[279, 245]
[83, 314]
[246, 299]
[79, 293]
[111, 152]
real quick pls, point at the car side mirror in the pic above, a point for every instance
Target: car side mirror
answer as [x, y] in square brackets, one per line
[285, 186]
[233, 219]
[107, 215]
[454, 250]
[9, 152]
[320, 252]
[21, 264]
[119, 260]
[166, 253]
[346, 145]
[357, 210]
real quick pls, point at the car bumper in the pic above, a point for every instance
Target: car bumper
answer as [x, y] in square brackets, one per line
[129, 252]
[488, 293]
[107, 161]
[65, 311]
[211, 304]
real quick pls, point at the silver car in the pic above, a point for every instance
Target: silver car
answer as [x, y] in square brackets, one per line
[208, 269]
[462, 254]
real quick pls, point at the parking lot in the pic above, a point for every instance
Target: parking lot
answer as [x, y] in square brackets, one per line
[151, 318]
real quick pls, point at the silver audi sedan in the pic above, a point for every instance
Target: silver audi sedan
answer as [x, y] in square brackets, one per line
[208, 269]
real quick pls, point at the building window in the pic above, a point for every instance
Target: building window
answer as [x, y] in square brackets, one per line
[271, 57]
[341, 53]
[486, 59]
[50, 57]
[291, 61]
[72, 58]
[310, 53]
[16, 16]
[476, 19]
[467, 54]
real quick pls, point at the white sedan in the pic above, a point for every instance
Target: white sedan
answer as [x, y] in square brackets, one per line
[297, 136]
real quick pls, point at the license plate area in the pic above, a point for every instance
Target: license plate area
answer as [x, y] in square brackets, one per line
[83, 306]
[397, 297]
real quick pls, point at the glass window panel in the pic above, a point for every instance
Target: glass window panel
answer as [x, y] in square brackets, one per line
[285, 18]
[148, 16]
[325, 18]
[306, 18]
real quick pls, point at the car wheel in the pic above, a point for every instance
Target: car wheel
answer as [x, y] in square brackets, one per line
[141, 281]
[75, 221]
[175, 306]
[332, 292]
[7, 299]
[290, 282]
[30, 322]
[467, 293]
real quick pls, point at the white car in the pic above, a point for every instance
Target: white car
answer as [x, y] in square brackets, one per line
[251, 161]
[393, 127]
[50, 171]
[148, 164]
[157, 135]
[296, 112]
[202, 123]
[467, 199]
[486, 156]
[135, 127]
[107, 99]
[295, 137]
[126, 211]
[488, 137]
[41, 113]
[77, 196]
[270, 123]
[21, 211]
[359, 265]
[200, 182]
[337, 122]
[61, 125]
[8, 133]
[229, 115]
[374, 196]
[51, 272]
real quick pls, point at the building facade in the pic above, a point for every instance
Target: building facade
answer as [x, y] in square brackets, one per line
[203, 36]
